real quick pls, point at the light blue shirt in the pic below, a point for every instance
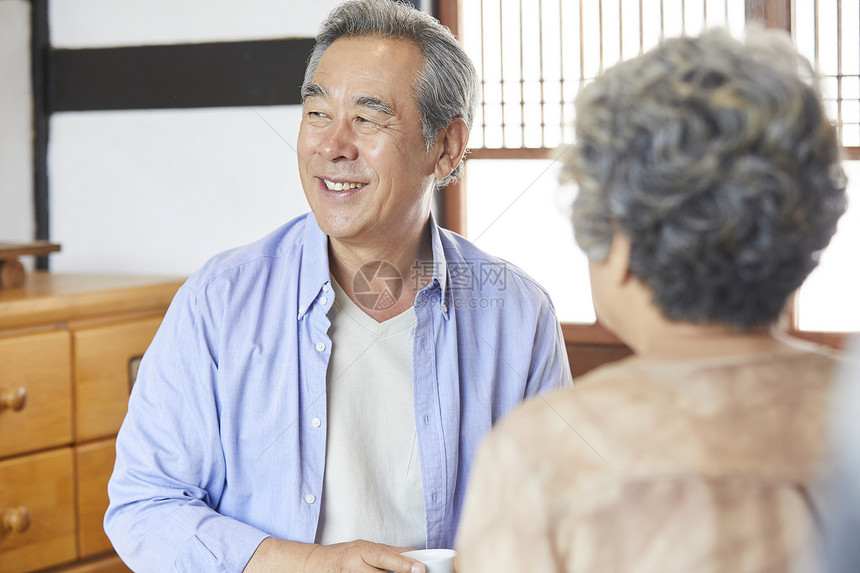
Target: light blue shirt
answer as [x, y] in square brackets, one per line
[224, 441]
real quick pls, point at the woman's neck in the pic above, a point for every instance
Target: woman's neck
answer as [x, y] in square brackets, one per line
[664, 339]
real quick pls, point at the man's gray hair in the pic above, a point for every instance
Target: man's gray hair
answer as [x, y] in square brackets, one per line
[446, 88]
[716, 159]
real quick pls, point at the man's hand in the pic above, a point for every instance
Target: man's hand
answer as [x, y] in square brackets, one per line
[354, 557]
[360, 557]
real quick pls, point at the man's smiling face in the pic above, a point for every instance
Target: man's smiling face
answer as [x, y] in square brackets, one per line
[362, 159]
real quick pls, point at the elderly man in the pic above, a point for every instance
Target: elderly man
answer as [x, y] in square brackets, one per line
[313, 401]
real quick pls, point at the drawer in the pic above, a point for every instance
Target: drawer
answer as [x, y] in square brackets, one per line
[95, 465]
[40, 364]
[41, 483]
[103, 358]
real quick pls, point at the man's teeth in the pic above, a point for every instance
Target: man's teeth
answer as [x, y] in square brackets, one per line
[332, 186]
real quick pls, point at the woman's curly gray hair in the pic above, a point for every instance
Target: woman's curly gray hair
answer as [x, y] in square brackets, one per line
[445, 89]
[717, 160]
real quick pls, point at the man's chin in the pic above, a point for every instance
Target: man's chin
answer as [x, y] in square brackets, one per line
[337, 225]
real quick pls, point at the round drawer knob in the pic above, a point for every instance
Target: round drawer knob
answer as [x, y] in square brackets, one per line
[13, 398]
[12, 274]
[16, 519]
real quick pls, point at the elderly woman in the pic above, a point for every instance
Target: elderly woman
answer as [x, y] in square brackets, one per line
[709, 182]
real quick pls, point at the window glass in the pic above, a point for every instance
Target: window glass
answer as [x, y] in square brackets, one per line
[827, 301]
[517, 210]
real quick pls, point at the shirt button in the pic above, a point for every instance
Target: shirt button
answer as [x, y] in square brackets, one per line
[320, 346]
[310, 498]
[323, 300]
[444, 308]
[316, 422]
[325, 288]
[427, 418]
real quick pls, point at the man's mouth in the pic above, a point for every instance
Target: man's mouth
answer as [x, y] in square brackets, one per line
[342, 185]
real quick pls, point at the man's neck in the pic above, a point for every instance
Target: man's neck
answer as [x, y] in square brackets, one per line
[364, 270]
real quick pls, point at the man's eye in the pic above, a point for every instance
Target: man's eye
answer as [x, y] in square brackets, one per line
[316, 114]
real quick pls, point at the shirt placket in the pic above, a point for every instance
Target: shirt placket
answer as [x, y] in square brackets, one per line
[428, 422]
[315, 352]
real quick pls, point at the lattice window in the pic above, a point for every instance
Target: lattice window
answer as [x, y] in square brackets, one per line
[828, 32]
[534, 55]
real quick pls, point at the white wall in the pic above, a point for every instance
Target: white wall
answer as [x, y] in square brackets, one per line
[16, 124]
[137, 22]
[160, 191]
[102, 23]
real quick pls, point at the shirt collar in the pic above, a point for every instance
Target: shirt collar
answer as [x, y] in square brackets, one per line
[313, 270]
[440, 267]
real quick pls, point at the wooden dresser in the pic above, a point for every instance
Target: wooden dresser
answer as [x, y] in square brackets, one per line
[69, 347]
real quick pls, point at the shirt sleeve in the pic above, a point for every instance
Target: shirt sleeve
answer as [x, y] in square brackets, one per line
[170, 470]
[505, 527]
[550, 368]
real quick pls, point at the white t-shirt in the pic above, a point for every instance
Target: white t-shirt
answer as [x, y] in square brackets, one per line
[372, 486]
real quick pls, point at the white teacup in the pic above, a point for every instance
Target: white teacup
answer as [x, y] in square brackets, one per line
[435, 560]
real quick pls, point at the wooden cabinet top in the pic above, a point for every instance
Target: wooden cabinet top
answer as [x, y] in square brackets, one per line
[48, 298]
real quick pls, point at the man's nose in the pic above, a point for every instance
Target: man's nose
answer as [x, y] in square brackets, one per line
[338, 141]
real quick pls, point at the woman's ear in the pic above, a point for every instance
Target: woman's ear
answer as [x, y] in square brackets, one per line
[453, 138]
[618, 258]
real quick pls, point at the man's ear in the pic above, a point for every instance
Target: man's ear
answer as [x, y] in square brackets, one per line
[453, 140]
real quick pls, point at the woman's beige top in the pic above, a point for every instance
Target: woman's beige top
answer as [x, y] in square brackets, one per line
[650, 466]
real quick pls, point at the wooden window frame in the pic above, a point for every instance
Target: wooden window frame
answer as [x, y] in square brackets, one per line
[773, 14]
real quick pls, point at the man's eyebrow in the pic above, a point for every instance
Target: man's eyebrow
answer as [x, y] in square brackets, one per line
[313, 90]
[374, 103]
